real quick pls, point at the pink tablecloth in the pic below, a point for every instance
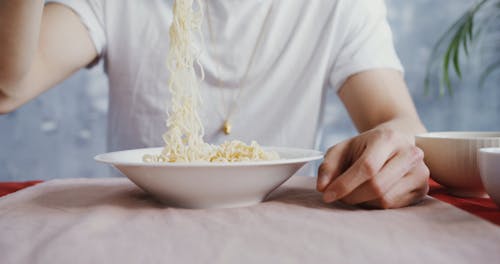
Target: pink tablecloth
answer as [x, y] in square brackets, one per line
[112, 221]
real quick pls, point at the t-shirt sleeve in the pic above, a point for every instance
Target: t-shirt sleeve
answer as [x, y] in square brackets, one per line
[91, 15]
[367, 43]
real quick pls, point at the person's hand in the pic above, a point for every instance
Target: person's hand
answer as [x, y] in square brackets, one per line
[380, 168]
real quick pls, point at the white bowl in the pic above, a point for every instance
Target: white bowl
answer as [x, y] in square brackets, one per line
[489, 168]
[452, 159]
[209, 185]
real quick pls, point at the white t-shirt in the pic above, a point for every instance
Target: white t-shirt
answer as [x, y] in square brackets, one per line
[302, 48]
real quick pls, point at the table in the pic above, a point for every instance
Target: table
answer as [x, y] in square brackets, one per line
[112, 221]
[482, 207]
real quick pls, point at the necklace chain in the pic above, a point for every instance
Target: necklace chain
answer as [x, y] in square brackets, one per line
[229, 109]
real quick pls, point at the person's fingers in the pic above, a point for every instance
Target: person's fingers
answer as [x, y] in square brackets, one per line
[332, 164]
[409, 190]
[366, 167]
[395, 169]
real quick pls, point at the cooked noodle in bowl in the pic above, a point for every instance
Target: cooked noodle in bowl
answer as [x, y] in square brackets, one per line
[206, 184]
[229, 151]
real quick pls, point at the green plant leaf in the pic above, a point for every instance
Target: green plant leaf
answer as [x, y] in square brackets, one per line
[460, 38]
[461, 34]
[435, 52]
[469, 34]
[452, 56]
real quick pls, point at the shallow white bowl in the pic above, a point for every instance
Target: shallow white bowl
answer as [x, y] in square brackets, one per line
[489, 168]
[209, 185]
[452, 159]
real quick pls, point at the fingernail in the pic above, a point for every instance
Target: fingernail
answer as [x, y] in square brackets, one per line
[323, 180]
[330, 197]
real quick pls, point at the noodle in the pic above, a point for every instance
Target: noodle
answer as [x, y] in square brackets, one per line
[184, 136]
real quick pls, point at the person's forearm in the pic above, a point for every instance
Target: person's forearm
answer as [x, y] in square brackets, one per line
[19, 31]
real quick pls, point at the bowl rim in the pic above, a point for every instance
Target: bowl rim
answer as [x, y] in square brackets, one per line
[460, 135]
[490, 150]
[315, 155]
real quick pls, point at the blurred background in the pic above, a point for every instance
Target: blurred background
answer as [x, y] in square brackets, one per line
[57, 135]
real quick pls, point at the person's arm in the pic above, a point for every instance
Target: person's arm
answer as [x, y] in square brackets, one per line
[40, 47]
[381, 167]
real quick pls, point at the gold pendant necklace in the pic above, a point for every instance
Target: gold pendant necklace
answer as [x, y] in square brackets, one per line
[226, 125]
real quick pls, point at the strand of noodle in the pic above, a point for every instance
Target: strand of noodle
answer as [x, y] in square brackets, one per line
[184, 136]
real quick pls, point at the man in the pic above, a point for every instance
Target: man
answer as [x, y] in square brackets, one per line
[267, 65]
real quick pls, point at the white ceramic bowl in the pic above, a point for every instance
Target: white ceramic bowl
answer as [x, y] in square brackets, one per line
[452, 159]
[209, 185]
[489, 168]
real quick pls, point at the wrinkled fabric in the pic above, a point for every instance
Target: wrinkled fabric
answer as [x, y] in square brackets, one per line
[113, 221]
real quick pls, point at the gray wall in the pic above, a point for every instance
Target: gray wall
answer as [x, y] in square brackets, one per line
[56, 135]
[417, 25]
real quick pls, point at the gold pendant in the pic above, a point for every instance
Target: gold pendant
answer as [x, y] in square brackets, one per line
[226, 127]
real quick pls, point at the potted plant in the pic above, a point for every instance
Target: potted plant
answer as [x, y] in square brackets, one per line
[475, 33]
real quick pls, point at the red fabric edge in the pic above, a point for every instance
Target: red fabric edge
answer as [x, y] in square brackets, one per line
[10, 187]
[482, 207]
